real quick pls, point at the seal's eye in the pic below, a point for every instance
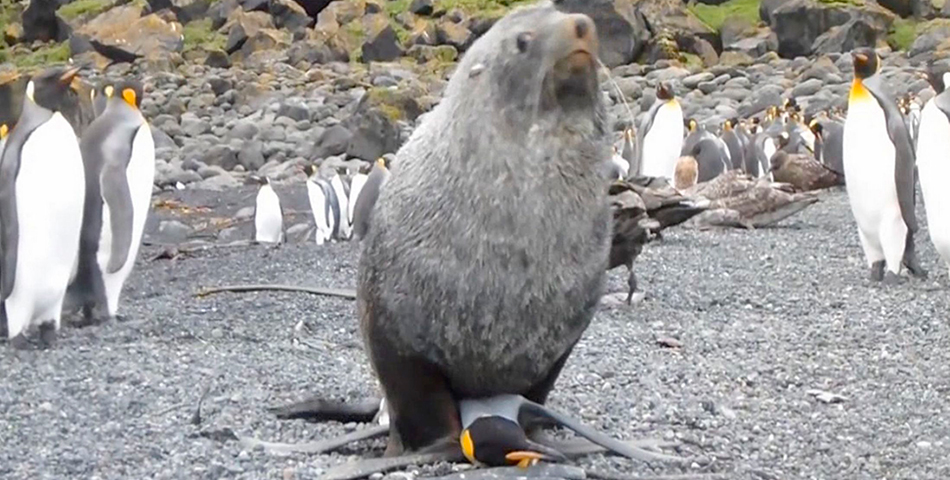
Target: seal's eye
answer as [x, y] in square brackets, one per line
[524, 38]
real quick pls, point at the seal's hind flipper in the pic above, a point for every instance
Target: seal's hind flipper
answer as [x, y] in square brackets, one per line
[322, 410]
[320, 446]
[448, 451]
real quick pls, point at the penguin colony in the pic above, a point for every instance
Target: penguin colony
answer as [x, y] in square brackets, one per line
[72, 211]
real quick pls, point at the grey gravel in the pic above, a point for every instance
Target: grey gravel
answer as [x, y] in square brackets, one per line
[736, 333]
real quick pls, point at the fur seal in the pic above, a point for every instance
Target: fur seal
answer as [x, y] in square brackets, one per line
[488, 250]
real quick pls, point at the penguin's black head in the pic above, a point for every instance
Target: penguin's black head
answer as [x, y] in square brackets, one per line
[130, 91]
[663, 91]
[310, 169]
[866, 62]
[497, 441]
[816, 127]
[50, 88]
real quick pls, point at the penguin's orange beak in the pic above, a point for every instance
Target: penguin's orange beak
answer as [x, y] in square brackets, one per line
[525, 458]
[69, 76]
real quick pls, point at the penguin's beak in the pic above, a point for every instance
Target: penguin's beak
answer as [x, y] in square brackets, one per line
[69, 77]
[538, 452]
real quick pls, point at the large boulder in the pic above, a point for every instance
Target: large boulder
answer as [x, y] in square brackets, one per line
[40, 22]
[289, 15]
[910, 8]
[622, 29]
[856, 33]
[798, 23]
[124, 30]
[931, 36]
[673, 15]
[739, 36]
[375, 124]
[184, 10]
[243, 25]
[381, 43]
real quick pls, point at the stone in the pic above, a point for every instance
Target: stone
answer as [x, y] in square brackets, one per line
[193, 126]
[314, 52]
[173, 230]
[334, 141]
[374, 123]
[427, 53]
[621, 28]
[294, 108]
[220, 12]
[808, 87]
[845, 38]
[251, 156]
[799, 23]
[931, 36]
[454, 34]
[910, 8]
[421, 7]
[242, 25]
[218, 59]
[289, 15]
[381, 45]
[130, 34]
[693, 81]
[673, 16]
[221, 155]
[41, 23]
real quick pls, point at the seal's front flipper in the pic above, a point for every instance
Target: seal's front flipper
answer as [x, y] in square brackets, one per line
[546, 471]
[322, 410]
[320, 446]
[447, 451]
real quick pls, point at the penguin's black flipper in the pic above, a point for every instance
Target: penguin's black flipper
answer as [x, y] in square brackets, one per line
[323, 410]
[611, 444]
[119, 200]
[672, 216]
[447, 451]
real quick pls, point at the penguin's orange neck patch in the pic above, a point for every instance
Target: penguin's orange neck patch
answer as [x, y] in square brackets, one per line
[859, 92]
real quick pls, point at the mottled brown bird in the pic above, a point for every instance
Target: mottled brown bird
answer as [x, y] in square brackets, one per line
[737, 199]
[802, 170]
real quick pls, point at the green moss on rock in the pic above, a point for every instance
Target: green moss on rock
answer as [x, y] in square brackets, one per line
[715, 15]
[199, 35]
[49, 54]
[902, 34]
[80, 8]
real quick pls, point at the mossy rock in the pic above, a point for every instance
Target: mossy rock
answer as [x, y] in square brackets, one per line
[200, 37]
[47, 55]
[395, 103]
[746, 11]
[83, 9]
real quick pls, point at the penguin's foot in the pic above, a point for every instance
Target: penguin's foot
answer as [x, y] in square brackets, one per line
[47, 335]
[891, 278]
[877, 271]
[914, 268]
[45, 340]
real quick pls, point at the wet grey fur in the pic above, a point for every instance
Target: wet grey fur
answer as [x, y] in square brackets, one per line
[106, 148]
[489, 244]
[31, 118]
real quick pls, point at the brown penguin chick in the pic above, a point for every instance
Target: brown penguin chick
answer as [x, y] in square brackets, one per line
[802, 170]
[488, 248]
[686, 173]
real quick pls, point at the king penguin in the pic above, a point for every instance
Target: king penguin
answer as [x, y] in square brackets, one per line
[356, 186]
[933, 160]
[42, 187]
[344, 231]
[4, 131]
[879, 167]
[100, 96]
[660, 138]
[119, 158]
[322, 197]
[378, 177]
[268, 216]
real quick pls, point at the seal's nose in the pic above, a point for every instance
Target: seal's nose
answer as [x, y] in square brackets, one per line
[583, 27]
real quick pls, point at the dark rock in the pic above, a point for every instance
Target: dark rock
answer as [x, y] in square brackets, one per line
[931, 36]
[314, 7]
[767, 10]
[622, 29]
[295, 109]
[218, 59]
[382, 46]
[220, 12]
[263, 40]
[421, 7]
[374, 124]
[454, 34]
[737, 35]
[479, 24]
[910, 8]
[40, 22]
[184, 10]
[251, 156]
[334, 141]
[219, 85]
[222, 156]
[847, 37]
[243, 25]
[289, 15]
[314, 52]
[173, 230]
[673, 16]
[798, 23]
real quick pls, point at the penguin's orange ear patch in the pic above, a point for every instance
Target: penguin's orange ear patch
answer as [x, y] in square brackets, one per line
[129, 96]
[4, 131]
[109, 91]
[468, 446]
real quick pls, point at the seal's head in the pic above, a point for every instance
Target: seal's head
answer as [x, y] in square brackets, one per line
[534, 62]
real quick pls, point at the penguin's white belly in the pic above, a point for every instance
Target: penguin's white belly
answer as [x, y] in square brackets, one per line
[318, 205]
[49, 191]
[356, 186]
[933, 167]
[140, 174]
[268, 221]
[664, 142]
[869, 165]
